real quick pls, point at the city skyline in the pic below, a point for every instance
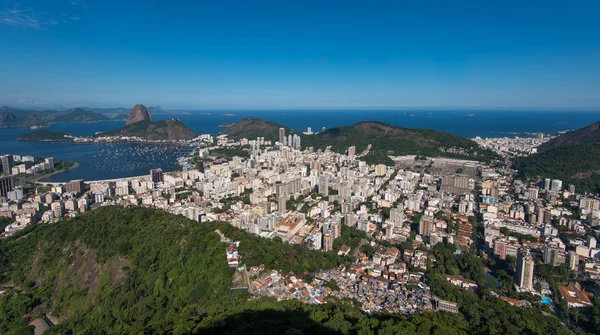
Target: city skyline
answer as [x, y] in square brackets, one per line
[336, 55]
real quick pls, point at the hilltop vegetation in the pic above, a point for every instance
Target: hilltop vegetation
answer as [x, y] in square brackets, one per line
[573, 157]
[577, 164]
[386, 140]
[586, 135]
[251, 128]
[133, 270]
[45, 135]
[118, 270]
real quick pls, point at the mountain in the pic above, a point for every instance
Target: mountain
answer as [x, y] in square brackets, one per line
[573, 157]
[78, 115]
[137, 114]
[251, 128]
[588, 134]
[107, 111]
[386, 140]
[7, 118]
[19, 117]
[164, 130]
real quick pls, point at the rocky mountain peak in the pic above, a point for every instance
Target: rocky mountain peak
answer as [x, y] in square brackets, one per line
[138, 113]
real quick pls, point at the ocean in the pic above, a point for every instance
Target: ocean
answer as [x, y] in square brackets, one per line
[110, 161]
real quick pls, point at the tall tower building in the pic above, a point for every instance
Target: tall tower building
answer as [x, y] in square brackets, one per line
[547, 184]
[352, 151]
[7, 184]
[282, 136]
[524, 271]
[426, 225]
[323, 185]
[7, 164]
[50, 161]
[158, 176]
[573, 260]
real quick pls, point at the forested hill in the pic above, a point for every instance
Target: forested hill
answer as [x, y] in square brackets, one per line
[573, 157]
[252, 128]
[586, 135]
[143, 271]
[386, 140]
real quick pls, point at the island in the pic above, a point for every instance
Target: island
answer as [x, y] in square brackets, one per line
[46, 136]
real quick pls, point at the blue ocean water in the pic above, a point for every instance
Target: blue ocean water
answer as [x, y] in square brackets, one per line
[124, 160]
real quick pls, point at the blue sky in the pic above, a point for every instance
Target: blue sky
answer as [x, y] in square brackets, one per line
[312, 54]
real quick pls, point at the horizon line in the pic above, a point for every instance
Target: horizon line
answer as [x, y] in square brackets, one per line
[346, 108]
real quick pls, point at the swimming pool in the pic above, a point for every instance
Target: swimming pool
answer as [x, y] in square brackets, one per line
[547, 301]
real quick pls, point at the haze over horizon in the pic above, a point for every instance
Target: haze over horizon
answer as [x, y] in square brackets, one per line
[254, 55]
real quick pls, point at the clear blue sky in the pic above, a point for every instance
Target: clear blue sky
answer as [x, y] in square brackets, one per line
[259, 54]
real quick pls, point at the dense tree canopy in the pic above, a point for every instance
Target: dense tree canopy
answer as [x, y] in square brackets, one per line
[123, 271]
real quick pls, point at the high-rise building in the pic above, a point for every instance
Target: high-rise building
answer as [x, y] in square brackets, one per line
[380, 169]
[282, 136]
[7, 184]
[200, 166]
[556, 185]
[591, 242]
[327, 242]
[158, 175]
[282, 202]
[389, 230]
[571, 188]
[323, 185]
[532, 193]
[289, 140]
[426, 225]
[75, 186]
[397, 215]
[553, 255]
[352, 151]
[547, 184]
[50, 162]
[589, 204]
[8, 162]
[524, 271]
[573, 258]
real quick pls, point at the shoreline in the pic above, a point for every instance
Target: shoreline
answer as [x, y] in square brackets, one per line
[38, 179]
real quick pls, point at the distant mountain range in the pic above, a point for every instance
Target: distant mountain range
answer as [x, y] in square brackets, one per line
[386, 140]
[139, 124]
[35, 116]
[573, 157]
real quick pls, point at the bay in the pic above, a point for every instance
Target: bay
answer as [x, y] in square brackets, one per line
[110, 161]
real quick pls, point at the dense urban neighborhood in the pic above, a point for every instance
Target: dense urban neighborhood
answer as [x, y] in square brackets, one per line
[399, 232]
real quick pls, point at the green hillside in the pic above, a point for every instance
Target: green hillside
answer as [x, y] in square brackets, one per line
[251, 128]
[577, 164]
[386, 140]
[143, 271]
[573, 157]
